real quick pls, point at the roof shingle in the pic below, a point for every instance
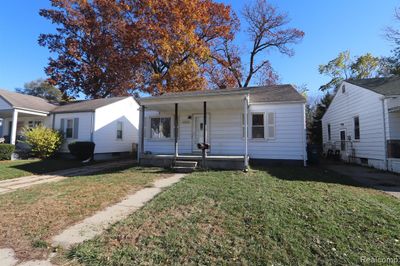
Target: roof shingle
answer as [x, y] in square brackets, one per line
[384, 86]
[86, 106]
[273, 93]
[18, 100]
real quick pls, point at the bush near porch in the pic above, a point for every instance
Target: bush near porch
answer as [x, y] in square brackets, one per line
[6, 151]
[44, 142]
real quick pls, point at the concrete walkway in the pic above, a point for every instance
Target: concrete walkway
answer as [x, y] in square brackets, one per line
[96, 224]
[369, 177]
[10, 185]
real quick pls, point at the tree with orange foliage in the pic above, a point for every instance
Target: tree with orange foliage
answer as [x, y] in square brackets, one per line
[106, 48]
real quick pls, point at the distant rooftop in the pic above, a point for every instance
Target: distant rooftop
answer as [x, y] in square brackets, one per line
[28, 102]
[23, 101]
[384, 86]
[86, 106]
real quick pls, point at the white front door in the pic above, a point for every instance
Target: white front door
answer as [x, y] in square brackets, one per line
[198, 131]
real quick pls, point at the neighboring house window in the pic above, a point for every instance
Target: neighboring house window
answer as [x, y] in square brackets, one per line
[329, 132]
[69, 131]
[160, 127]
[32, 124]
[356, 127]
[119, 129]
[343, 88]
[257, 126]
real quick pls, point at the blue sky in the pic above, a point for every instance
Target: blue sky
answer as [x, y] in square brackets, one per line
[329, 26]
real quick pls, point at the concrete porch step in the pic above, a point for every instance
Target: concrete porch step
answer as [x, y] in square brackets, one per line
[184, 166]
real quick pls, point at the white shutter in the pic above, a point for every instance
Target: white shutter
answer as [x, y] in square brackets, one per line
[271, 125]
[147, 130]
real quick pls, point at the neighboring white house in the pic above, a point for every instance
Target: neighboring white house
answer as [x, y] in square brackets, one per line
[111, 123]
[175, 123]
[362, 124]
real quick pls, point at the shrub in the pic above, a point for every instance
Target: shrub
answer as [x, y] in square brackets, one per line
[6, 151]
[44, 142]
[82, 150]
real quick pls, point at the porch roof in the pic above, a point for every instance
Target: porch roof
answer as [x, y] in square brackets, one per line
[26, 102]
[267, 94]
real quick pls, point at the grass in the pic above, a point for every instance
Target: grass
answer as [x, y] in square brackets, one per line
[30, 217]
[18, 168]
[279, 216]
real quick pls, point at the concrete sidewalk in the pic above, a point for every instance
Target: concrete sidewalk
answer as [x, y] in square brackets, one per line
[369, 177]
[10, 185]
[96, 224]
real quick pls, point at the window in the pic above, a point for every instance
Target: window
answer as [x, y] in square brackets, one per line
[356, 127]
[257, 126]
[160, 127]
[343, 88]
[69, 128]
[32, 124]
[329, 132]
[119, 129]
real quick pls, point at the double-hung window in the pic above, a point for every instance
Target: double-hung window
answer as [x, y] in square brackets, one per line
[160, 127]
[356, 128]
[120, 126]
[69, 131]
[257, 126]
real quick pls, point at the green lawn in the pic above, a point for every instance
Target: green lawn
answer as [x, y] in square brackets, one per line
[30, 217]
[280, 216]
[18, 168]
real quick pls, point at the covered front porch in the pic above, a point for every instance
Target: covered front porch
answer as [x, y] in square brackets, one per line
[15, 120]
[211, 132]
[393, 133]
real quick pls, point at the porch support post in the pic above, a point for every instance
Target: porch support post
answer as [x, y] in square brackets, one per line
[141, 127]
[246, 153]
[176, 129]
[204, 152]
[13, 136]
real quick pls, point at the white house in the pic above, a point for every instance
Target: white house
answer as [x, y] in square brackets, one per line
[362, 124]
[173, 125]
[111, 123]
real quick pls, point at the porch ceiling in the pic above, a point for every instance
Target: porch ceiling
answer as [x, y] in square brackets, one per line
[221, 104]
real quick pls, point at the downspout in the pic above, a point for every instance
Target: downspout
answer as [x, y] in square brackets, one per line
[92, 127]
[246, 152]
[384, 134]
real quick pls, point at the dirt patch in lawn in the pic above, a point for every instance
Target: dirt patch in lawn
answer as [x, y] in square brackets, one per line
[29, 218]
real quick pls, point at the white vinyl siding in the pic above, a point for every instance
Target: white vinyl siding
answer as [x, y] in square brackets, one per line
[106, 121]
[226, 133]
[81, 133]
[367, 105]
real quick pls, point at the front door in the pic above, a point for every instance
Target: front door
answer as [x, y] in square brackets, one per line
[343, 140]
[198, 131]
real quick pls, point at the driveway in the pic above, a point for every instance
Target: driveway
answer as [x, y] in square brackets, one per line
[370, 177]
[10, 185]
